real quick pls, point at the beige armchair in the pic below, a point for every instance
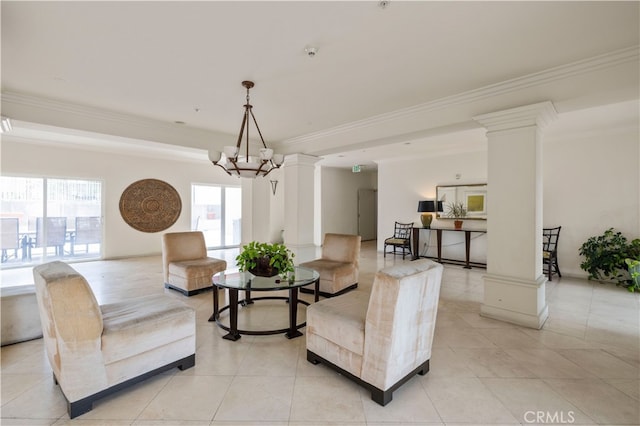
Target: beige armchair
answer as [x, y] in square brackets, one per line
[338, 264]
[185, 264]
[381, 339]
[95, 350]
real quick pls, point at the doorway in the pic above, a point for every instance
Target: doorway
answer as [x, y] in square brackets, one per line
[368, 214]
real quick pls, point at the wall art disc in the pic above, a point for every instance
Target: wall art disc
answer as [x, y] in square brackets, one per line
[150, 205]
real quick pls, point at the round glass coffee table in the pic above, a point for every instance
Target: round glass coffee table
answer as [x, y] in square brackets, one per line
[249, 283]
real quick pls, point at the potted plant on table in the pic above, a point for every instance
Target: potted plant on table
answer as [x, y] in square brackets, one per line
[458, 211]
[611, 257]
[264, 259]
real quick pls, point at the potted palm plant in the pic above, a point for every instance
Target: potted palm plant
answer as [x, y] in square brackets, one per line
[264, 259]
[458, 211]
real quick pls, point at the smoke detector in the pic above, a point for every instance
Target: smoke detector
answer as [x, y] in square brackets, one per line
[311, 51]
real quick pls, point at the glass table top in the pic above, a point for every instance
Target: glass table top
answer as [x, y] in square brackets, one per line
[300, 277]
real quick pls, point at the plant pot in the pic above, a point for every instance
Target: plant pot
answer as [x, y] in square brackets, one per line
[457, 224]
[263, 269]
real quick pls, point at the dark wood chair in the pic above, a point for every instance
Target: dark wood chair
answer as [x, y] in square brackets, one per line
[401, 239]
[550, 237]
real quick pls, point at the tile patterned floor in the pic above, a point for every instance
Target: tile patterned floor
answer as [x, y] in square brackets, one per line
[583, 367]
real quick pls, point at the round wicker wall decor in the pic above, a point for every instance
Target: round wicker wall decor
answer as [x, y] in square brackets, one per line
[150, 205]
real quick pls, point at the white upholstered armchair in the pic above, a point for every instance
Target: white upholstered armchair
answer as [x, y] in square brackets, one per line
[185, 264]
[381, 339]
[339, 264]
[95, 350]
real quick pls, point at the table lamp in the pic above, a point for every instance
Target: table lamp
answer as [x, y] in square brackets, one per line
[426, 208]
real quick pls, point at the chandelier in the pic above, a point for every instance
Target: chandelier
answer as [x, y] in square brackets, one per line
[241, 163]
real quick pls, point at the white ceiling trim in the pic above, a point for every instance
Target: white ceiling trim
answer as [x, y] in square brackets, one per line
[31, 101]
[607, 60]
[42, 135]
[595, 63]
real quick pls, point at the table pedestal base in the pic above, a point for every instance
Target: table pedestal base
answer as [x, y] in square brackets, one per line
[235, 333]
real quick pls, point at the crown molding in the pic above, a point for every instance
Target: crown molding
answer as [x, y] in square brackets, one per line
[49, 136]
[607, 60]
[118, 123]
[85, 111]
[540, 114]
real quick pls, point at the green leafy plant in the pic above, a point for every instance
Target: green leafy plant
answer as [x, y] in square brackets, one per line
[605, 257]
[264, 255]
[457, 210]
[633, 265]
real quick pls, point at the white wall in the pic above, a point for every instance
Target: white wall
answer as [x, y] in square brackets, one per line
[339, 199]
[402, 183]
[276, 204]
[116, 172]
[591, 182]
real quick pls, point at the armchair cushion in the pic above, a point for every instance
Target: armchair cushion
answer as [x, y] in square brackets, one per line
[142, 324]
[348, 332]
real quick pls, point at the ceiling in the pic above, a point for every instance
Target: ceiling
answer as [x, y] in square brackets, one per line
[385, 82]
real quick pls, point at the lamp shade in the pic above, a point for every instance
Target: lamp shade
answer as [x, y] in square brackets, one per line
[427, 206]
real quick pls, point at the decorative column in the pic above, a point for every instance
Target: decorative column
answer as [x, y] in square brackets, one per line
[299, 201]
[514, 286]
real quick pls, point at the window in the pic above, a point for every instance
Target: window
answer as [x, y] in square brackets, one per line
[217, 212]
[45, 218]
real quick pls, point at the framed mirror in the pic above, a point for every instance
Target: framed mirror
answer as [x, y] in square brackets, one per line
[472, 196]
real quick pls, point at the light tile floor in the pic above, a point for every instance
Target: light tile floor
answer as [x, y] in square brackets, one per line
[583, 367]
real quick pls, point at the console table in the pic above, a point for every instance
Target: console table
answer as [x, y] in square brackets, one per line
[467, 241]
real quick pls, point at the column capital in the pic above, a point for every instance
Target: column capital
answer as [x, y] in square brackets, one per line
[540, 114]
[300, 160]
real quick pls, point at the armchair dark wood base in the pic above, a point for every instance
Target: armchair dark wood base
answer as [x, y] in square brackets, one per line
[85, 405]
[188, 293]
[382, 397]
